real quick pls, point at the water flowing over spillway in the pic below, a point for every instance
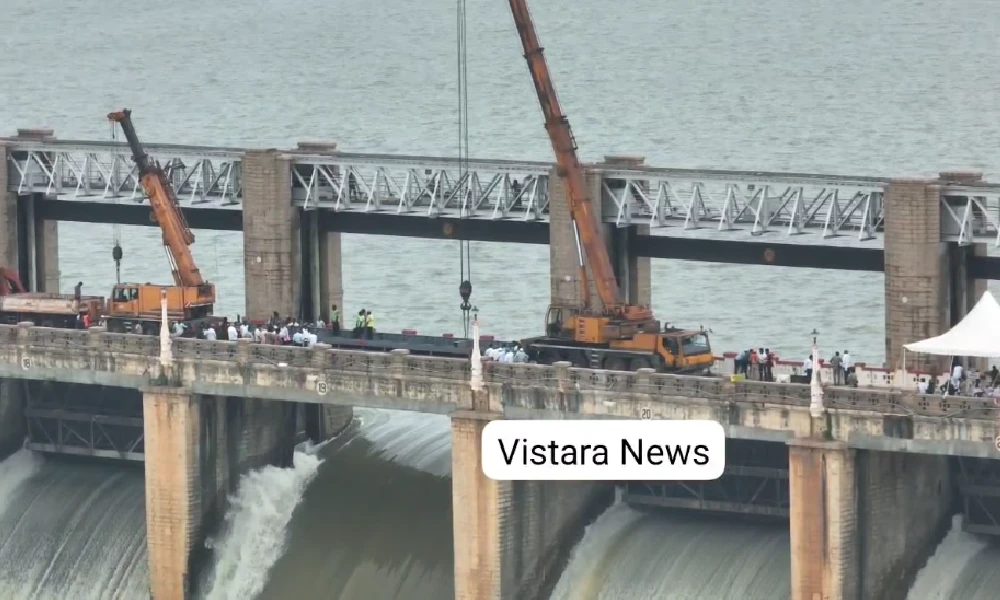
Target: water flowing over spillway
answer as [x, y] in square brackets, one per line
[71, 529]
[374, 522]
[368, 515]
[634, 555]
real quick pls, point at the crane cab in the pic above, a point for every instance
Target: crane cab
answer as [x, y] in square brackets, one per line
[685, 351]
[138, 304]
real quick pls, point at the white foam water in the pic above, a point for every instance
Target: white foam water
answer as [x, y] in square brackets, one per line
[254, 532]
[14, 472]
[945, 568]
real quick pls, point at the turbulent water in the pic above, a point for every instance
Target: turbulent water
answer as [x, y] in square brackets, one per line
[71, 529]
[368, 515]
[887, 87]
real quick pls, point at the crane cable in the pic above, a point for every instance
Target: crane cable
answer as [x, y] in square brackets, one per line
[464, 247]
[116, 229]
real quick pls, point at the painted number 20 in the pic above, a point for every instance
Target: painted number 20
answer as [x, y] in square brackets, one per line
[645, 412]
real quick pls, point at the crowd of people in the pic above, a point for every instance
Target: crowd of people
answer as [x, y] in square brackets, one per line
[757, 364]
[964, 382]
[277, 330]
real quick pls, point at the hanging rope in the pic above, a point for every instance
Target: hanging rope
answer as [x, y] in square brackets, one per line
[464, 248]
[116, 229]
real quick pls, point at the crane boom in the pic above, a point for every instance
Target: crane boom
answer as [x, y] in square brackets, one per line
[177, 236]
[567, 163]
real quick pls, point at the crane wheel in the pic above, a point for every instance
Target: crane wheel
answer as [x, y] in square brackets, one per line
[638, 363]
[614, 363]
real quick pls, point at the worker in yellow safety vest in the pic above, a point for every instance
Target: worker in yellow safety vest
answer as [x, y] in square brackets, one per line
[369, 324]
[359, 324]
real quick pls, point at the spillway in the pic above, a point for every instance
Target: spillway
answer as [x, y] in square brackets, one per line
[368, 515]
[636, 555]
[71, 529]
[374, 522]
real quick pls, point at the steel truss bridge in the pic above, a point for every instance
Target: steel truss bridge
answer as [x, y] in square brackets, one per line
[734, 205]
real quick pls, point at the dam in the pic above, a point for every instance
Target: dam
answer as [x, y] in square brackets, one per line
[751, 114]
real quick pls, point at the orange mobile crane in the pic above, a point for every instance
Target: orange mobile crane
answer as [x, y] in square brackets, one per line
[619, 336]
[191, 299]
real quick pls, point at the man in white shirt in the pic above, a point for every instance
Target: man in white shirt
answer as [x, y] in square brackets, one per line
[807, 367]
[244, 330]
[283, 335]
[231, 333]
[922, 386]
[313, 338]
[520, 356]
[956, 378]
[848, 363]
[297, 338]
[210, 334]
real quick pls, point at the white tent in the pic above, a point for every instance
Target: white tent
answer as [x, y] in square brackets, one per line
[978, 334]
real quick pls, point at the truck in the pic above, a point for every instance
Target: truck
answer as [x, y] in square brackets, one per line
[44, 309]
[609, 334]
[135, 307]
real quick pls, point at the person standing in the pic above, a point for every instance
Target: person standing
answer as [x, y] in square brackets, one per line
[335, 320]
[77, 296]
[369, 325]
[837, 363]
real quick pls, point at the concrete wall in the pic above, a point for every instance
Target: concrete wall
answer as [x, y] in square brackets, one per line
[916, 269]
[271, 246]
[12, 424]
[862, 523]
[196, 449]
[511, 538]
[904, 509]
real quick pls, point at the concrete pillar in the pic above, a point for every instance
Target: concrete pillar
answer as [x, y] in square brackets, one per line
[822, 520]
[271, 245]
[862, 523]
[331, 277]
[8, 215]
[633, 272]
[511, 537]
[47, 255]
[480, 506]
[564, 266]
[916, 270]
[172, 429]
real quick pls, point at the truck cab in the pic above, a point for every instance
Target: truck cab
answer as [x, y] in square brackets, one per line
[686, 351]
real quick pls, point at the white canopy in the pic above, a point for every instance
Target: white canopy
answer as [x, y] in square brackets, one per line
[978, 334]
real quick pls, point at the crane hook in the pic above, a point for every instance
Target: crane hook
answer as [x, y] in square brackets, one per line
[465, 291]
